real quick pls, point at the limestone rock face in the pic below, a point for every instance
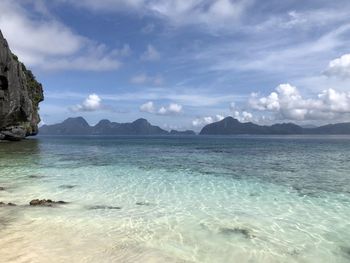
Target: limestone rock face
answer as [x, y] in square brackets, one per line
[20, 95]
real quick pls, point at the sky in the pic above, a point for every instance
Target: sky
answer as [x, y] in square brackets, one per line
[183, 64]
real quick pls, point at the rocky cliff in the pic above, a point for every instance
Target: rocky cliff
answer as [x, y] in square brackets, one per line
[20, 95]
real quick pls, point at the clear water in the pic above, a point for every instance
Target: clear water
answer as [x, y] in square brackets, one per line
[203, 199]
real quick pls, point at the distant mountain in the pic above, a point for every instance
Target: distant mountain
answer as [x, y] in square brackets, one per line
[308, 126]
[187, 132]
[227, 126]
[231, 126]
[339, 128]
[138, 127]
[79, 126]
[71, 126]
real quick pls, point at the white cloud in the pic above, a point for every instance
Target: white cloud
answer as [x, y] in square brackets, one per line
[148, 107]
[49, 44]
[339, 67]
[219, 117]
[286, 103]
[143, 78]
[202, 121]
[151, 54]
[171, 109]
[91, 103]
[243, 116]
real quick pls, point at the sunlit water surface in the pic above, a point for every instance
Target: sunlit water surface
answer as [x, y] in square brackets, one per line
[189, 199]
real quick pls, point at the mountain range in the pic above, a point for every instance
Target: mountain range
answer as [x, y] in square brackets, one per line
[231, 126]
[227, 126]
[79, 126]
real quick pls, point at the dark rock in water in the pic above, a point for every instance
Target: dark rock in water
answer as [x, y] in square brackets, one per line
[345, 251]
[2, 188]
[104, 207]
[67, 186]
[34, 176]
[46, 202]
[8, 204]
[294, 252]
[61, 202]
[236, 231]
[143, 203]
[20, 95]
[14, 133]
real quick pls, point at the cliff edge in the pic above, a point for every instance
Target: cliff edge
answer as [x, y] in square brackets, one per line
[20, 95]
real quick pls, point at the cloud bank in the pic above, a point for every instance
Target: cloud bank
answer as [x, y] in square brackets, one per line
[286, 103]
[201, 121]
[171, 109]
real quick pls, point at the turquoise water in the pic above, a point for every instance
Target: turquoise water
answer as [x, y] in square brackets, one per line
[190, 199]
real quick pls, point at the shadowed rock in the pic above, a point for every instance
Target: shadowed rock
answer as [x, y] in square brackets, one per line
[293, 252]
[34, 176]
[345, 251]
[67, 186]
[20, 95]
[8, 204]
[143, 203]
[46, 202]
[104, 207]
[2, 188]
[236, 231]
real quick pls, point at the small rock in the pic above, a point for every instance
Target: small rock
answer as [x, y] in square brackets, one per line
[34, 176]
[45, 202]
[8, 204]
[2, 188]
[143, 203]
[345, 250]
[104, 207]
[237, 231]
[67, 186]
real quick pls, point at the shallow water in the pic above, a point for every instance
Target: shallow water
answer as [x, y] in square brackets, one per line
[189, 199]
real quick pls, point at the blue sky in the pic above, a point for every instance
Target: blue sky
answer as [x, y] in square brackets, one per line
[183, 64]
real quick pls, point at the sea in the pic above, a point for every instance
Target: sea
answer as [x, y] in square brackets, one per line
[171, 199]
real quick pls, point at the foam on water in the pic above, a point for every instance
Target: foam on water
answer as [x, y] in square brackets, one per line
[181, 200]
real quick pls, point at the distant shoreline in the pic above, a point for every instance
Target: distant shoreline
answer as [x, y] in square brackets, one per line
[227, 126]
